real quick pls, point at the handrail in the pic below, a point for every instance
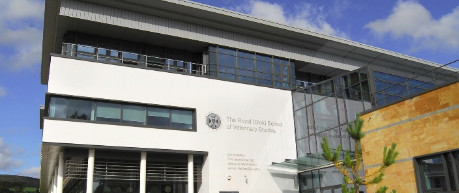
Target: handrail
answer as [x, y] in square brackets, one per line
[130, 58]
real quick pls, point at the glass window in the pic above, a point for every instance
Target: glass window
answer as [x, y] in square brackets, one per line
[300, 123]
[108, 112]
[182, 119]
[58, 107]
[433, 172]
[80, 109]
[158, 117]
[302, 147]
[134, 114]
[306, 181]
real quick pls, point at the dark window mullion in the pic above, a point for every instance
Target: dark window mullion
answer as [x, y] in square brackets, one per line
[445, 172]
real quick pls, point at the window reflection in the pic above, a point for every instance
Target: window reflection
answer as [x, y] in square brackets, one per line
[79, 109]
[163, 117]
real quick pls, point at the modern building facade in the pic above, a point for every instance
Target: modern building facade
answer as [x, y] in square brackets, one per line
[426, 130]
[174, 96]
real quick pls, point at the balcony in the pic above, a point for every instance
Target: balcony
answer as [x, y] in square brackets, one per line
[132, 59]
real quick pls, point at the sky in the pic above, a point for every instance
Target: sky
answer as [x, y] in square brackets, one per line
[425, 29]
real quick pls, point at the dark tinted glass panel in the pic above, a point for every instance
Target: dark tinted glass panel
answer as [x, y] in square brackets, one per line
[302, 147]
[182, 119]
[110, 112]
[388, 77]
[79, 109]
[306, 181]
[158, 117]
[433, 173]
[134, 114]
[58, 107]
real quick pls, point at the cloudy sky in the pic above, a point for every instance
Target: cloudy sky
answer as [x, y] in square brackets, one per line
[425, 29]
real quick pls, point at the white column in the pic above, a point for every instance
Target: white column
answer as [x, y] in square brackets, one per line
[90, 171]
[60, 173]
[143, 172]
[190, 174]
[55, 179]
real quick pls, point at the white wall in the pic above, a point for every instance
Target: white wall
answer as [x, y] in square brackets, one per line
[250, 151]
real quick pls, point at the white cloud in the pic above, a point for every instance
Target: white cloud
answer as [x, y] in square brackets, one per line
[6, 158]
[411, 19]
[31, 172]
[305, 16]
[2, 91]
[21, 26]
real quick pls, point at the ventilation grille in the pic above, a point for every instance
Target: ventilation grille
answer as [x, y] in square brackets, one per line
[122, 170]
[75, 169]
[116, 170]
[171, 172]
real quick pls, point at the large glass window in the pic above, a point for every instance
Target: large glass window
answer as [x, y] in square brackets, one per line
[80, 109]
[181, 119]
[233, 64]
[58, 107]
[108, 112]
[391, 87]
[132, 114]
[158, 117]
[438, 173]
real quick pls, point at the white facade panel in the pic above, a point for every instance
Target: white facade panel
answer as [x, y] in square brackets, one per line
[257, 122]
[209, 35]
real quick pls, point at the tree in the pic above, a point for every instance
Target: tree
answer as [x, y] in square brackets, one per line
[350, 167]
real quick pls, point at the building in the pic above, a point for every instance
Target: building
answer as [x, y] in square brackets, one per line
[426, 130]
[174, 96]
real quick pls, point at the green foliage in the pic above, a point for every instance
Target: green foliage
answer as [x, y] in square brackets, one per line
[354, 164]
[384, 189]
[327, 151]
[389, 156]
[355, 128]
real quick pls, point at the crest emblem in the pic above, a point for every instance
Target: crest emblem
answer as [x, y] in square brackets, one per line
[213, 121]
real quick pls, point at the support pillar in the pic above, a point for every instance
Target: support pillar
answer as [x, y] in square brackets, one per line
[190, 174]
[55, 179]
[90, 171]
[60, 173]
[143, 172]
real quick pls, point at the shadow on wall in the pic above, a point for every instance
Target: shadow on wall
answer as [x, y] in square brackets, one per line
[287, 181]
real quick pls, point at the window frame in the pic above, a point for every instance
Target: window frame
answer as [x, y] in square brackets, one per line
[121, 103]
[450, 169]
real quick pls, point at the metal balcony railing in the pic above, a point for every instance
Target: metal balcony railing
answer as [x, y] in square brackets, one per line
[129, 58]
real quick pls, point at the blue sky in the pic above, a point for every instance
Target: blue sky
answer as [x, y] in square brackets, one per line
[425, 29]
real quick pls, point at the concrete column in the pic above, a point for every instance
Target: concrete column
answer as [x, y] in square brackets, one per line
[190, 174]
[143, 172]
[90, 171]
[55, 179]
[60, 173]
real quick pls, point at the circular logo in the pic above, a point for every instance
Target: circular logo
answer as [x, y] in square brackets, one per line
[213, 121]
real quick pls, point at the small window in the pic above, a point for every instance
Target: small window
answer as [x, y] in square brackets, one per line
[79, 109]
[134, 114]
[108, 112]
[58, 107]
[438, 173]
[158, 117]
[182, 119]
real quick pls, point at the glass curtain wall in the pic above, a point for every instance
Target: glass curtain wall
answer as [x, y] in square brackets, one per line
[323, 110]
[390, 87]
[249, 67]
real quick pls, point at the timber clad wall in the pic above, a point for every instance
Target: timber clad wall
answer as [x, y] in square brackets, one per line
[425, 124]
